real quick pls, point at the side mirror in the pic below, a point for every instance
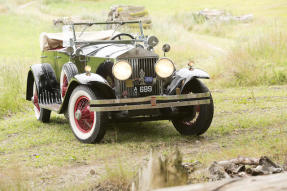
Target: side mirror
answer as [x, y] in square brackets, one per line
[70, 48]
[166, 48]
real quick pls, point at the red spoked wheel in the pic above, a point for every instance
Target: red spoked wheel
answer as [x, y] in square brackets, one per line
[87, 125]
[84, 117]
[64, 85]
[35, 101]
[196, 114]
[40, 113]
[69, 70]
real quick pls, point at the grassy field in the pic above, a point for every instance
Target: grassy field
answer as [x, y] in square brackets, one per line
[248, 122]
[247, 62]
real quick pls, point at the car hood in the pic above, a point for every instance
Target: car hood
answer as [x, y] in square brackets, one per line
[119, 51]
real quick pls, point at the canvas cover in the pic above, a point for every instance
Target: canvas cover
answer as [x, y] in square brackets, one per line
[49, 41]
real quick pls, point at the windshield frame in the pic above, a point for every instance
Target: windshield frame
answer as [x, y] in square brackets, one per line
[107, 23]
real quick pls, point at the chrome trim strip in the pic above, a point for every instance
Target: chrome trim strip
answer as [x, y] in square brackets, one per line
[149, 106]
[144, 99]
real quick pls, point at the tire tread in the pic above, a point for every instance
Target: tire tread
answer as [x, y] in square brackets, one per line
[205, 117]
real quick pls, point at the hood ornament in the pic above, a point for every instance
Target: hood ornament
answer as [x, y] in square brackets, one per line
[142, 75]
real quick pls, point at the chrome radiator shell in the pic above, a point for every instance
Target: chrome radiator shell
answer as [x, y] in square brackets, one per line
[138, 64]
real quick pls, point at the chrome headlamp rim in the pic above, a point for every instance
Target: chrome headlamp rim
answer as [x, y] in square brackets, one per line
[162, 58]
[113, 69]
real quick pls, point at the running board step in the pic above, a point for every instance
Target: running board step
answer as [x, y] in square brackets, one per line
[52, 107]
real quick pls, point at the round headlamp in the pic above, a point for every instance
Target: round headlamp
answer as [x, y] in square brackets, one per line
[122, 70]
[164, 67]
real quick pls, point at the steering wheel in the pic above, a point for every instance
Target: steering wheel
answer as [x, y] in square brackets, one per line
[122, 34]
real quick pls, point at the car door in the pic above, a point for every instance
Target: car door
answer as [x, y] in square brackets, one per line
[60, 59]
[50, 58]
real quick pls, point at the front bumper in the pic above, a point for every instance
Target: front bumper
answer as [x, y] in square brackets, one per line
[150, 102]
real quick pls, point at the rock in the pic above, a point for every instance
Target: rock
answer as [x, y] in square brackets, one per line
[92, 172]
[217, 172]
[129, 13]
[191, 167]
[254, 171]
[241, 160]
[272, 182]
[242, 174]
[222, 16]
[265, 161]
[237, 167]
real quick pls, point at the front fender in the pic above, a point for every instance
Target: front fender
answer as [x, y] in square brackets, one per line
[96, 82]
[44, 77]
[182, 78]
[194, 73]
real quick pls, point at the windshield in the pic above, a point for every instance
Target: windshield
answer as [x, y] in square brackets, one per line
[90, 32]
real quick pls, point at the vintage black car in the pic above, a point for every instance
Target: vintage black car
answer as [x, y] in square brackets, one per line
[96, 78]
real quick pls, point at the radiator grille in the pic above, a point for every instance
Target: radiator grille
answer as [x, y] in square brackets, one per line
[138, 64]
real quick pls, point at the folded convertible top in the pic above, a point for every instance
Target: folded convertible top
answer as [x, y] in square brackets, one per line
[49, 41]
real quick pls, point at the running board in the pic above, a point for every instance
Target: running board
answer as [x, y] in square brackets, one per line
[53, 107]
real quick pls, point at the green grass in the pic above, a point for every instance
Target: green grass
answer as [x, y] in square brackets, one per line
[232, 53]
[245, 123]
[20, 36]
[261, 60]
[11, 96]
[19, 50]
[261, 8]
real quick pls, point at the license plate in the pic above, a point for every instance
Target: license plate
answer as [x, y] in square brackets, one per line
[144, 89]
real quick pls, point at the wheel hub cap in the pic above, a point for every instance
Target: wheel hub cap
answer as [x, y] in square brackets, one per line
[78, 114]
[84, 117]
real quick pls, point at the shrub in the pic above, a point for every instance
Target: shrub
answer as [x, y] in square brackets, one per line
[199, 24]
[260, 61]
[117, 177]
[12, 84]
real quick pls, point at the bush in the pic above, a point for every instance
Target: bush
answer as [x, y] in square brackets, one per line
[199, 24]
[260, 61]
[117, 177]
[13, 85]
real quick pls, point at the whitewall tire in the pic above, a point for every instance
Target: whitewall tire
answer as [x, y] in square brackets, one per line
[86, 125]
[69, 70]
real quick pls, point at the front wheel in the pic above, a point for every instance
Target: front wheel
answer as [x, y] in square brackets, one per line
[200, 116]
[86, 125]
[69, 70]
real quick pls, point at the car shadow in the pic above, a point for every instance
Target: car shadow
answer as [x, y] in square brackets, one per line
[149, 132]
[132, 132]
